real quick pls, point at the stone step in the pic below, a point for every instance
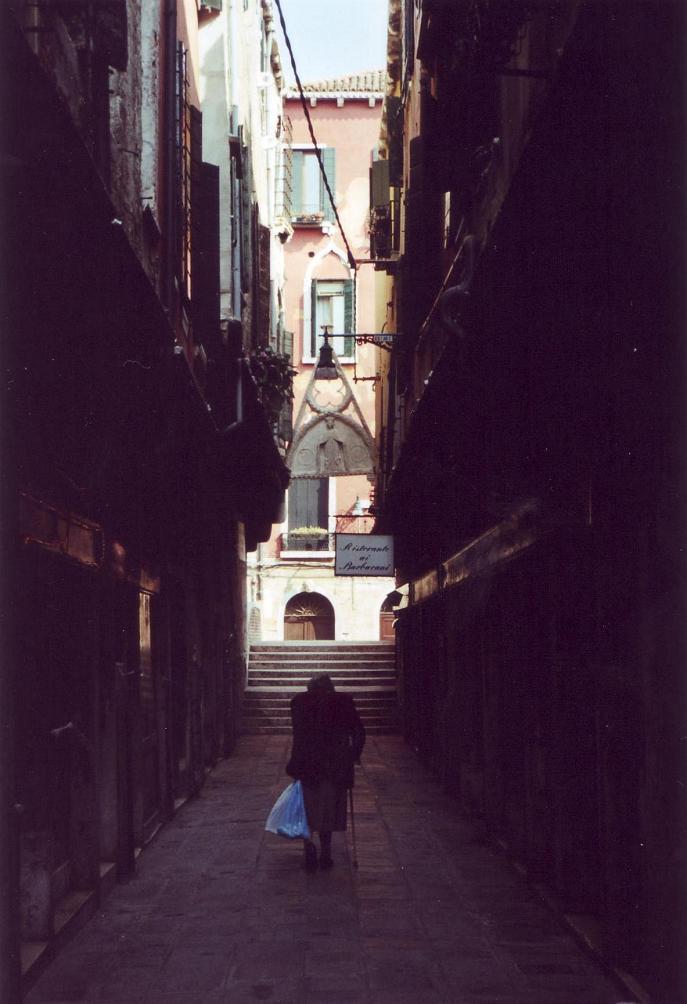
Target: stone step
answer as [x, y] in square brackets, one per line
[267, 677]
[285, 730]
[269, 700]
[279, 670]
[335, 673]
[320, 663]
[312, 646]
[298, 666]
[288, 689]
[261, 711]
[324, 652]
[284, 710]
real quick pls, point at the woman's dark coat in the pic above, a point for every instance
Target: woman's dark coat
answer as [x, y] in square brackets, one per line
[328, 738]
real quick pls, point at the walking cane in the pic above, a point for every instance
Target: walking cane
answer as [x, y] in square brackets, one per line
[355, 849]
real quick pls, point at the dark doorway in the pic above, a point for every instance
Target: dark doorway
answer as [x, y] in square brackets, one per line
[309, 617]
[387, 617]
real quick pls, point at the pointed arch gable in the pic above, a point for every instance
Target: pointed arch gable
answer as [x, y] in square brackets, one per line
[329, 446]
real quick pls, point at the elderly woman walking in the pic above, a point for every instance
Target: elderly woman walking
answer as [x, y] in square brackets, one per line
[328, 738]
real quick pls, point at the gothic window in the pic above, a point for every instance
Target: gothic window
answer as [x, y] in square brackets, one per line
[332, 305]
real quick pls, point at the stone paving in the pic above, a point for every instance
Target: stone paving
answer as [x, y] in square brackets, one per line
[220, 911]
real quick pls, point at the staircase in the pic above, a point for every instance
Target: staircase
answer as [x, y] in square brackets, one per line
[278, 670]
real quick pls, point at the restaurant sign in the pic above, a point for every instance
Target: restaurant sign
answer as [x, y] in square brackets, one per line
[364, 554]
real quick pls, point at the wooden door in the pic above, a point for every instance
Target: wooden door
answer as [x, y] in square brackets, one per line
[386, 625]
[149, 762]
[309, 617]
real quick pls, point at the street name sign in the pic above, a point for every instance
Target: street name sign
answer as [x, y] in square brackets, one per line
[364, 554]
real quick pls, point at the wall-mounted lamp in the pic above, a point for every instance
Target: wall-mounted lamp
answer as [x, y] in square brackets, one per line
[326, 370]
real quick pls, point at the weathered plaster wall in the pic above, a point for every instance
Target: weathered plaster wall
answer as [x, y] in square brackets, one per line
[357, 601]
[135, 101]
[151, 87]
[126, 90]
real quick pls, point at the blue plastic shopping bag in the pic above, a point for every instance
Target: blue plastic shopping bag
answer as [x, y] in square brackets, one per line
[287, 818]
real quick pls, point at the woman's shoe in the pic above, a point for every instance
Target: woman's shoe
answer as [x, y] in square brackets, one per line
[310, 857]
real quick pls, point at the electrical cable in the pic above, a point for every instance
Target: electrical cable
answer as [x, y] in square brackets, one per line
[351, 257]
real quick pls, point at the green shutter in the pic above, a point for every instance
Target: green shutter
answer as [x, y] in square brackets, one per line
[349, 315]
[329, 161]
[379, 183]
[394, 118]
[322, 491]
[313, 318]
[308, 503]
[297, 179]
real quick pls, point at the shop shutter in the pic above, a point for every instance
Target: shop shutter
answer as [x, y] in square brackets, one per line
[329, 161]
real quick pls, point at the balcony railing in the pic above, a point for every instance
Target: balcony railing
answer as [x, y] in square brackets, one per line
[380, 232]
[353, 523]
[306, 542]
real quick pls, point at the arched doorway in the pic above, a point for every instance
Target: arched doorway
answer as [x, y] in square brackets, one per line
[387, 616]
[309, 617]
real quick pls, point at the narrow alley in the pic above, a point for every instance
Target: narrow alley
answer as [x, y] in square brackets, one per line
[221, 911]
[343, 348]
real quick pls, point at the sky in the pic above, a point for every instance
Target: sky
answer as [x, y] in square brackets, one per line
[333, 38]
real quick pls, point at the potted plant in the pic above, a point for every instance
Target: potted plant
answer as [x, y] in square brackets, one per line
[309, 538]
[273, 374]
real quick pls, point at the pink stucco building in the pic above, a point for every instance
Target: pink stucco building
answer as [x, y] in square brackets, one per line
[294, 591]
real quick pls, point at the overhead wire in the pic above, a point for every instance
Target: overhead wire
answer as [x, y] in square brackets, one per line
[351, 256]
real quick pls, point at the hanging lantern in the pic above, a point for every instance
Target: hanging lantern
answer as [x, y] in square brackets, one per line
[326, 370]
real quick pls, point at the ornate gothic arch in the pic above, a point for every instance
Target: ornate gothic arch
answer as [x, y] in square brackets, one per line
[331, 437]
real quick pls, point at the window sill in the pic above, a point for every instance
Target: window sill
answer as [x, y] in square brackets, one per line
[314, 220]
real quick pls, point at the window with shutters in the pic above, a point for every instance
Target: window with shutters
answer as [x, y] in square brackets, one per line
[308, 515]
[310, 201]
[332, 305]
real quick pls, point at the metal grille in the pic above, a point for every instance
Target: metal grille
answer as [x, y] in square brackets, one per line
[353, 523]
